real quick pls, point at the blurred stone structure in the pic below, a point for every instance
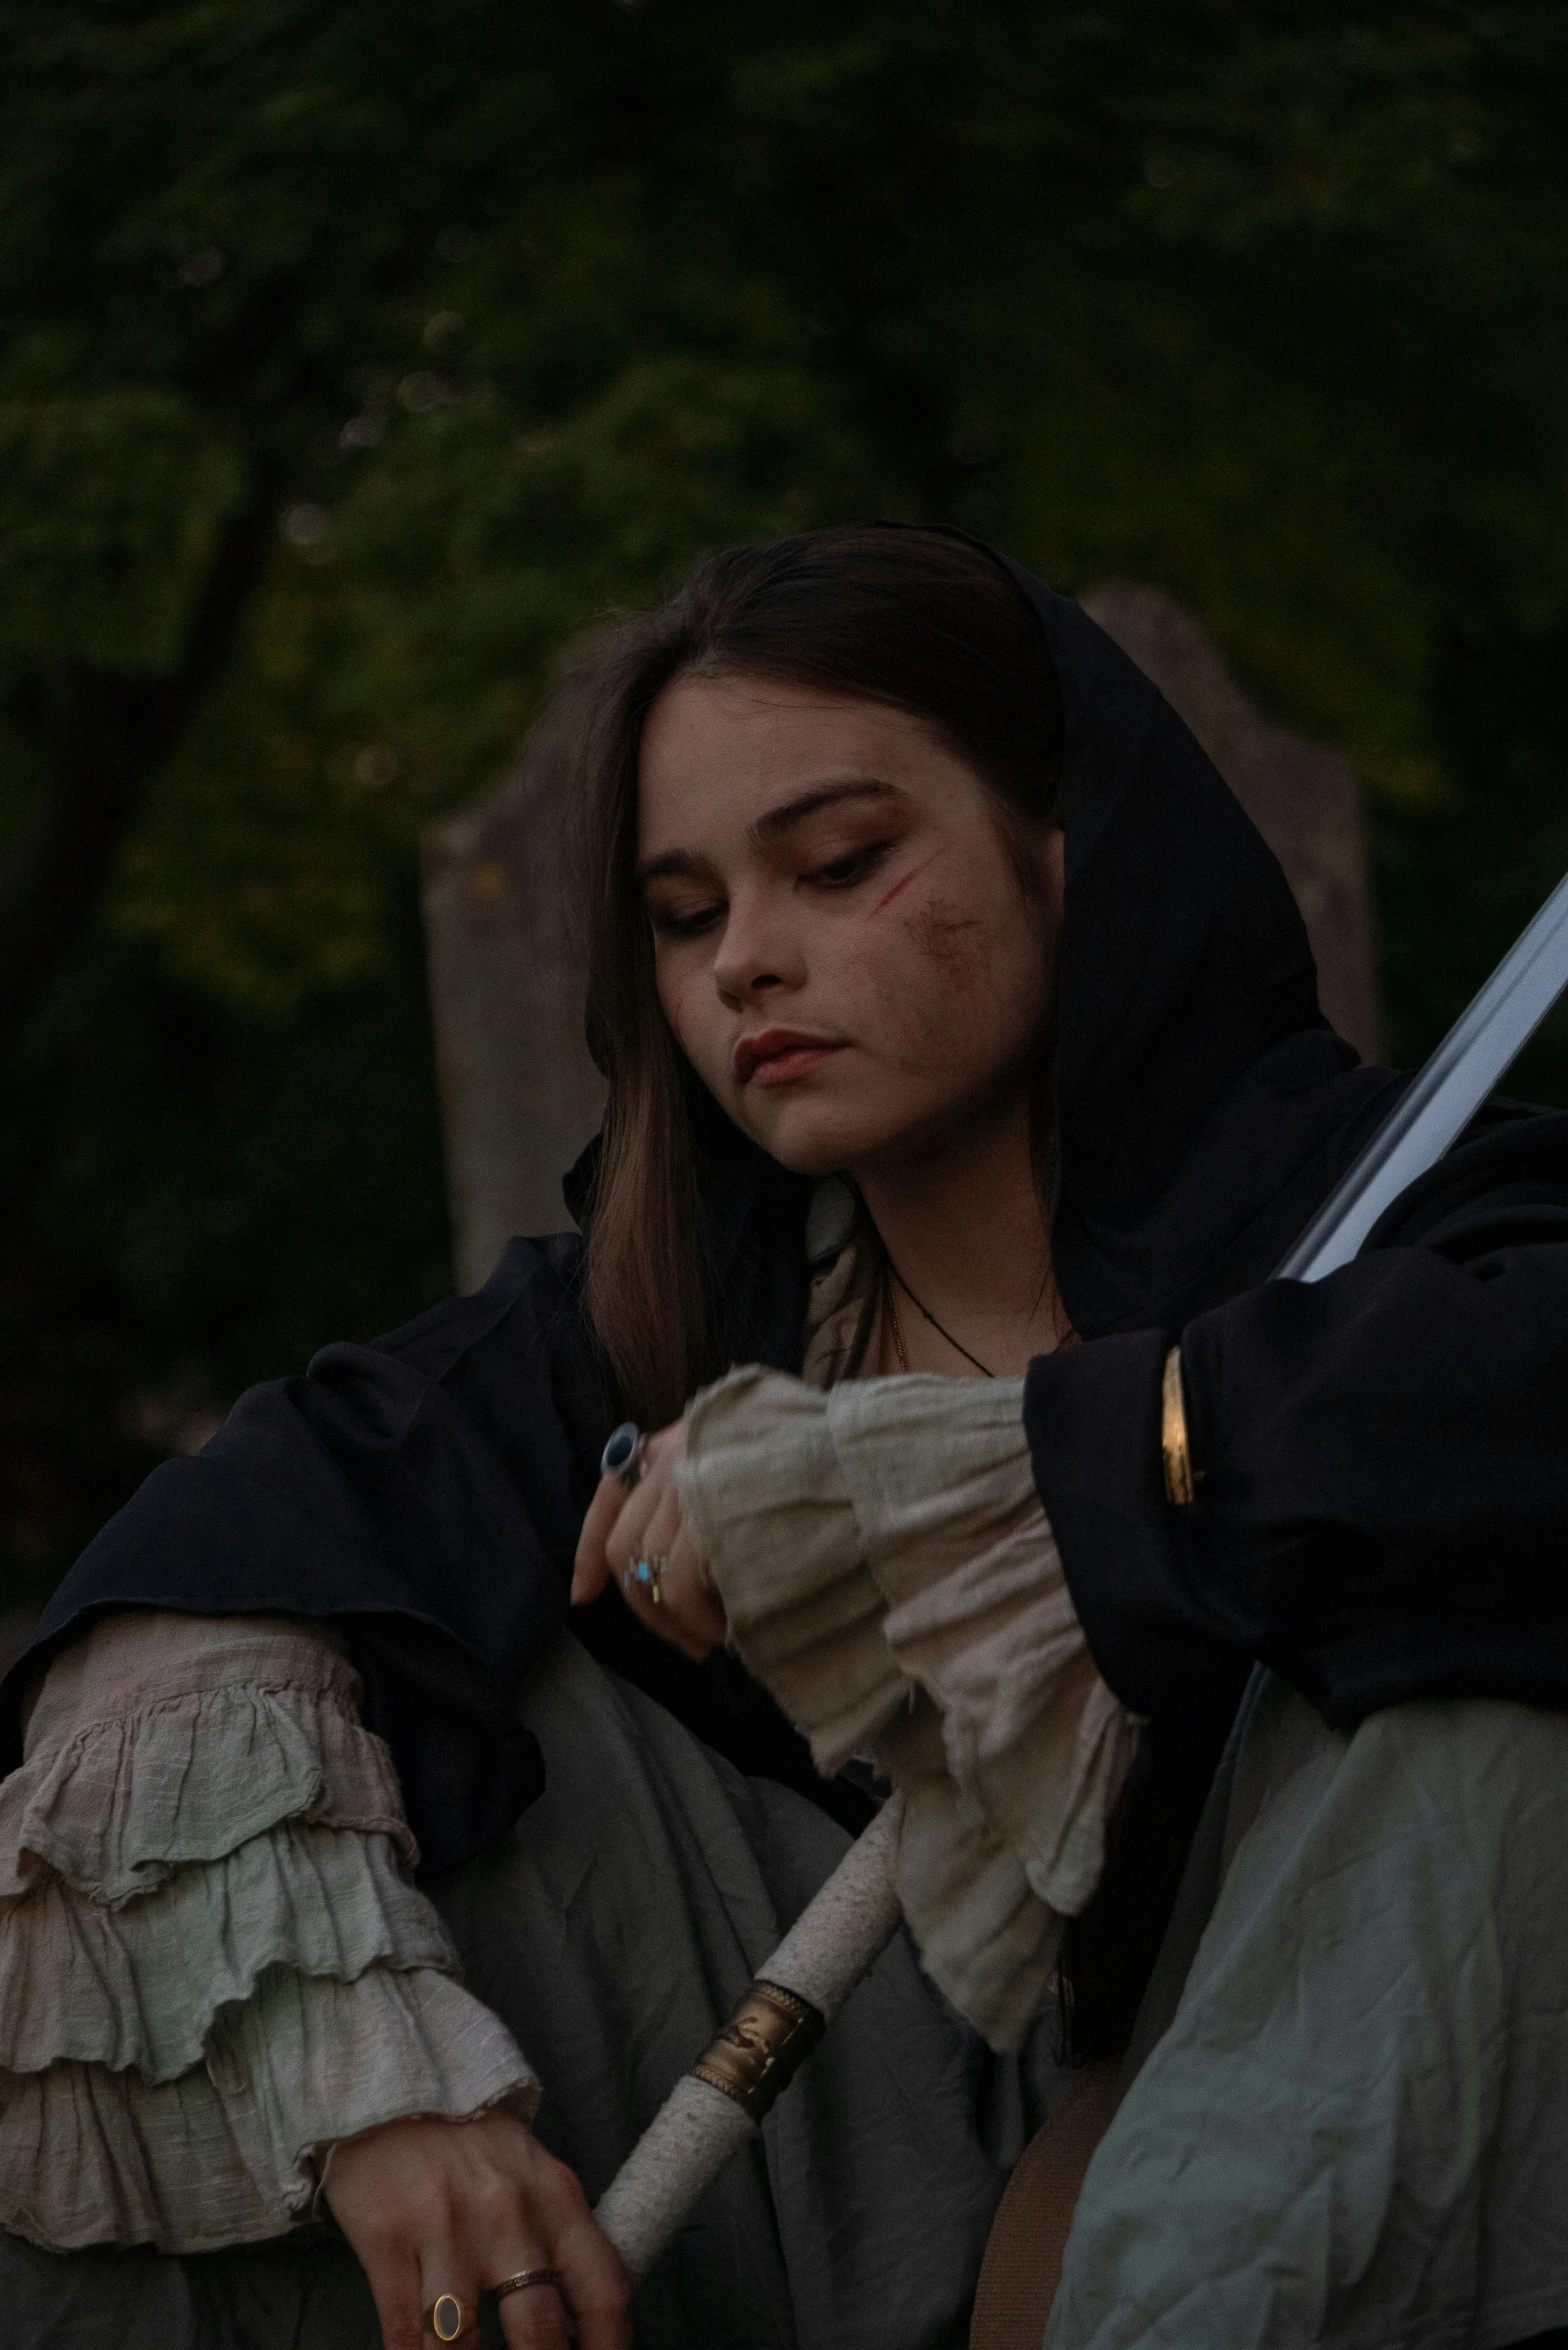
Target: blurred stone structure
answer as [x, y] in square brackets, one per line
[519, 1093]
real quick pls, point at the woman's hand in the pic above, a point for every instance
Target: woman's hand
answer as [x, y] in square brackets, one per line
[622, 1529]
[435, 2207]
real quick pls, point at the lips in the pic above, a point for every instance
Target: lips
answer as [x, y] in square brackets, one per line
[776, 1054]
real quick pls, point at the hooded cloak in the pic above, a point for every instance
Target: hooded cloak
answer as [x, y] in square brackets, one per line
[1384, 1496]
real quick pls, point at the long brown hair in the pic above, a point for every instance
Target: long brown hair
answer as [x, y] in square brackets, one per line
[924, 621]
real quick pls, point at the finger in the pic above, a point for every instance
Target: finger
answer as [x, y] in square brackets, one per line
[445, 2266]
[678, 1614]
[501, 2233]
[694, 1605]
[393, 2274]
[647, 1593]
[374, 2224]
[610, 1530]
[681, 1608]
[535, 2318]
[594, 2284]
[591, 1569]
[594, 1564]
[628, 1537]
[662, 1528]
[686, 1550]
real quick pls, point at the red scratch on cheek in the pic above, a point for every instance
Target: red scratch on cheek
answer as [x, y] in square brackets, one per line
[899, 885]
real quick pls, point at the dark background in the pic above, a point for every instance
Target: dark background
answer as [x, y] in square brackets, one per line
[355, 354]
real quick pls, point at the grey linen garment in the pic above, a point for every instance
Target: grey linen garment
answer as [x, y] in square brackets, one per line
[611, 1931]
[1347, 2122]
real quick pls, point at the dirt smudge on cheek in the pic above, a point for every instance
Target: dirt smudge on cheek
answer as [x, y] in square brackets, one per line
[952, 941]
[924, 987]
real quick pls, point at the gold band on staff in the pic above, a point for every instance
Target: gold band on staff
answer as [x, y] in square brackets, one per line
[762, 2047]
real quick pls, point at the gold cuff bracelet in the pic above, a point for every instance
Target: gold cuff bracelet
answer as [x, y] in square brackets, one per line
[1179, 1479]
[761, 2048]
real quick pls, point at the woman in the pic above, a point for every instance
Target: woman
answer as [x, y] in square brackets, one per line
[900, 874]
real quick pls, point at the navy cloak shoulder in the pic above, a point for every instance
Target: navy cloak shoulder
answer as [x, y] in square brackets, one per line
[1382, 1467]
[423, 1492]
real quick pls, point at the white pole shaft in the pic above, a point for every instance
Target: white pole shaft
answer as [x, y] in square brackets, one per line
[698, 2129]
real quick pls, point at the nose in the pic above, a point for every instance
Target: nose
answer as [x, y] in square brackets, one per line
[756, 956]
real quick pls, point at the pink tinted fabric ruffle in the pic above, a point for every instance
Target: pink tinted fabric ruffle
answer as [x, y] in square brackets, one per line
[213, 1959]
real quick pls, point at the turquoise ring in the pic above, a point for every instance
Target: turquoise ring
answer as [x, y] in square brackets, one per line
[649, 1574]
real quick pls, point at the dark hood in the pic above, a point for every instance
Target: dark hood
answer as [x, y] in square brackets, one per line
[1185, 967]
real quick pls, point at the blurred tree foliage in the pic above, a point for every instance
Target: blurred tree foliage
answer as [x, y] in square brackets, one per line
[357, 354]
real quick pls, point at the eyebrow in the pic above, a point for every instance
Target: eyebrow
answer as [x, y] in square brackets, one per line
[779, 821]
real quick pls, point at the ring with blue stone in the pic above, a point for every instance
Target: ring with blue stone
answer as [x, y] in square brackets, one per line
[649, 1575]
[623, 1455]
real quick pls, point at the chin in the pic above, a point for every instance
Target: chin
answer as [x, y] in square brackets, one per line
[810, 1139]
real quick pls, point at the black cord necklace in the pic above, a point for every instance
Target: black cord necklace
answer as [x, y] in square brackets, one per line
[954, 1343]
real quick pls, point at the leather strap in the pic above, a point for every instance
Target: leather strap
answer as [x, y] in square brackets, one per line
[1023, 2255]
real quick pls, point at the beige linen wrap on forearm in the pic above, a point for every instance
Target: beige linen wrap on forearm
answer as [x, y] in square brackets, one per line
[887, 1571]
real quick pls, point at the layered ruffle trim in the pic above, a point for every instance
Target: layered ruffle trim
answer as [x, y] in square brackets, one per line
[114, 1806]
[226, 2153]
[887, 1570]
[764, 1493]
[212, 1955]
[139, 1988]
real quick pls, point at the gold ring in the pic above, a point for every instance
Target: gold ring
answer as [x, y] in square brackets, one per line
[449, 2317]
[523, 2279]
[648, 1575]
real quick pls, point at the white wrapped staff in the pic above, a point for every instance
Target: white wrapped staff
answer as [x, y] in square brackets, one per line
[716, 2108]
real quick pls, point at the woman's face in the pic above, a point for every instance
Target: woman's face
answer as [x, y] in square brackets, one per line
[843, 945]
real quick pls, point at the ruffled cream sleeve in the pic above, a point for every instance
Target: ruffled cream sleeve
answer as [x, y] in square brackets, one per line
[213, 1959]
[887, 1571]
